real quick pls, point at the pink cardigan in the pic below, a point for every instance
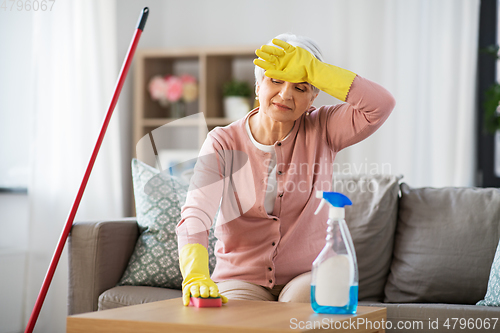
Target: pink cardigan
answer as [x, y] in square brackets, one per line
[273, 249]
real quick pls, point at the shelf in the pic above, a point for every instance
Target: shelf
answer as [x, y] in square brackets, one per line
[181, 122]
[247, 51]
[219, 121]
[157, 122]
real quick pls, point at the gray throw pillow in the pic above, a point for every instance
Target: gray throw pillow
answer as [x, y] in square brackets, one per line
[371, 220]
[444, 245]
[158, 199]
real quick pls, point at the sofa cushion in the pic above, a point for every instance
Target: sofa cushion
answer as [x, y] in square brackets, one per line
[131, 295]
[492, 297]
[444, 245]
[371, 220]
[159, 198]
[432, 317]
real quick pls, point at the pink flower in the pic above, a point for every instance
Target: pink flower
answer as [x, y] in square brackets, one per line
[173, 88]
[156, 88]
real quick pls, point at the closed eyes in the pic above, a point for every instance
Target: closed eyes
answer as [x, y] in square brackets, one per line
[301, 87]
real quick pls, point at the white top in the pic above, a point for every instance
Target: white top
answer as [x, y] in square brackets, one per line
[272, 188]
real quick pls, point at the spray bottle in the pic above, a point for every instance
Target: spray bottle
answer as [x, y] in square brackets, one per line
[334, 284]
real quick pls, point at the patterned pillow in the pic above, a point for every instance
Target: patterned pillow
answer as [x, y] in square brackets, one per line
[492, 297]
[158, 200]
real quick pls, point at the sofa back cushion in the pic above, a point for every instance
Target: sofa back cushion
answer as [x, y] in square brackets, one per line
[371, 220]
[444, 245]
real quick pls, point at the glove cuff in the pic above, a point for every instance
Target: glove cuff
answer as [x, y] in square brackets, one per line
[193, 259]
[333, 80]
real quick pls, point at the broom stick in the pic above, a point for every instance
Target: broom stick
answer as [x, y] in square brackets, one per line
[69, 222]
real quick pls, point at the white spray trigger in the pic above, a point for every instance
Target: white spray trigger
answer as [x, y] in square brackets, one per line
[320, 206]
[336, 200]
[319, 195]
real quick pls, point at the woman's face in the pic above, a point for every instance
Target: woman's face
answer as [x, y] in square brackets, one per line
[284, 101]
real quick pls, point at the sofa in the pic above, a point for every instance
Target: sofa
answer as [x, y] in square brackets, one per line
[423, 253]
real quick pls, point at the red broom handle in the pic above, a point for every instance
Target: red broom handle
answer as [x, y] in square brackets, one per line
[76, 203]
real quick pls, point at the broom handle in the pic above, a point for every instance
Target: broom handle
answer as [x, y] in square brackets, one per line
[76, 203]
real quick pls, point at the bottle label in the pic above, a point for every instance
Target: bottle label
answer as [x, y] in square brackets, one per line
[333, 281]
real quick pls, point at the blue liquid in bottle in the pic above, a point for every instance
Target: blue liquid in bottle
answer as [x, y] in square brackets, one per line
[349, 308]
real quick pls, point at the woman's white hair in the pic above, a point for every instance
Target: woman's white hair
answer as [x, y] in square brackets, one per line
[301, 41]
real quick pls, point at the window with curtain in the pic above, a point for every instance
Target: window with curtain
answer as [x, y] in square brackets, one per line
[16, 126]
[15, 108]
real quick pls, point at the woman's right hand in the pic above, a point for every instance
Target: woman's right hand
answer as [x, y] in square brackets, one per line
[193, 260]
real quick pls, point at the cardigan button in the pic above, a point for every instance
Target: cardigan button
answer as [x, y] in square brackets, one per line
[274, 218]
[281, 194]
[279, 143]
[270, 281]
[280, 172]
[270, 268]
[274, 243]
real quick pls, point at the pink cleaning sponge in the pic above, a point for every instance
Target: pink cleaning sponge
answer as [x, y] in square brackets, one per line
[210, 302]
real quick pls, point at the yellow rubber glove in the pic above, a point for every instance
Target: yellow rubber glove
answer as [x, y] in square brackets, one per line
[193, 259]
[294, 64]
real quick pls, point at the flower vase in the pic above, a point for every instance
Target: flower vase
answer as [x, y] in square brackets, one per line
[177, 110]
[163, 102]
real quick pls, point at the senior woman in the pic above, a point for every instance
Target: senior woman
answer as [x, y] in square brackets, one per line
[262, 172]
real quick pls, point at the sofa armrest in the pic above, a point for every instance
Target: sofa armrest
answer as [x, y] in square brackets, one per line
[98, 254]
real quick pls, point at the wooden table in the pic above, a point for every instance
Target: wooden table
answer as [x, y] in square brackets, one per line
[235, 316]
